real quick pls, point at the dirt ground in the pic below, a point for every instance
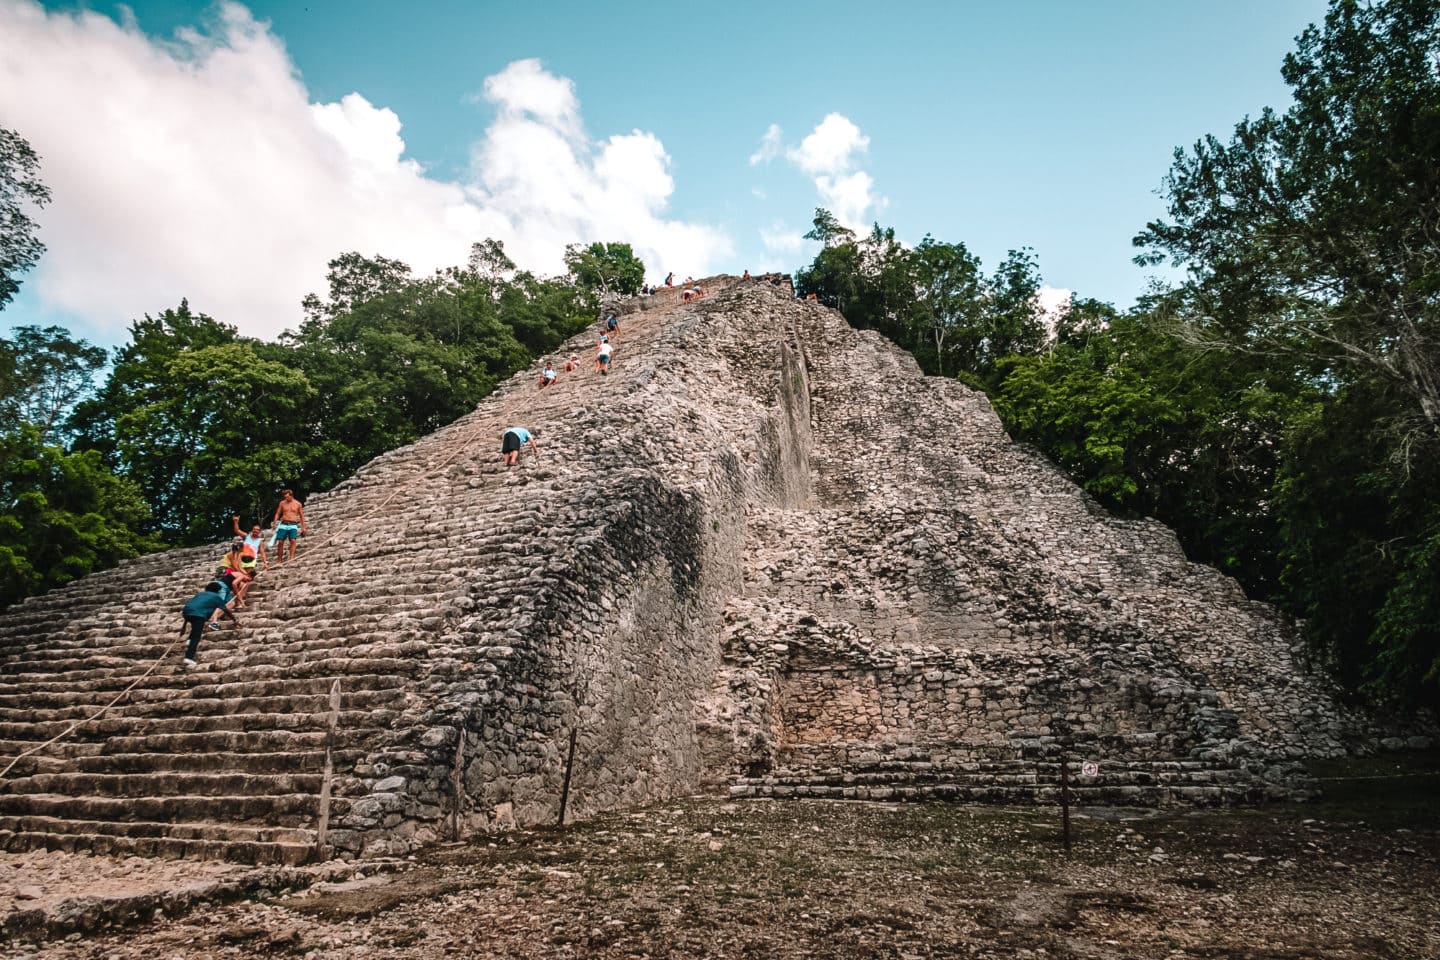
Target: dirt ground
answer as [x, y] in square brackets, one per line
[1354, 876]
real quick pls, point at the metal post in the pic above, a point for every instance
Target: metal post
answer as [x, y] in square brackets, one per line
[325, 784]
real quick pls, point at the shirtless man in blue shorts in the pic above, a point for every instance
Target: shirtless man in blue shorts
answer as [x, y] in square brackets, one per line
[289, 525]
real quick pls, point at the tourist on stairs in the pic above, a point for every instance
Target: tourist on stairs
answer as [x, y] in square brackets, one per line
[232, 572]
[198, 611]
[254, 549]
[289, 525]
[602, 356]
[512, 441]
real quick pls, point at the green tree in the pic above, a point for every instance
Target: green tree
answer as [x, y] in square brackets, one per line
[608, 268]
[354, 279]
[1012, 310]
[1359, 540]
[64, 515]
[1312, 234]
[949, 304]
[1149, 427]
[489, 261]
[1309, 243]
[20, 188]
[866, 278]
[43, 374]
[206, 423]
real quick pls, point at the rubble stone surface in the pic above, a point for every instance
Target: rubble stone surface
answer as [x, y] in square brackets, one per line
[763, 554]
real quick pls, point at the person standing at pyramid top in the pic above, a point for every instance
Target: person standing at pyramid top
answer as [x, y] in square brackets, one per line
[289, 525]
[512, 441]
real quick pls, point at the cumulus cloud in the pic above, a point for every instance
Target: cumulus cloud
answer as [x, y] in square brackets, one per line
[829, 148]
[829, 155]
[198, 167]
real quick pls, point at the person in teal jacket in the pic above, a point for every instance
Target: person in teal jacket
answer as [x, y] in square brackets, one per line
[197, 612]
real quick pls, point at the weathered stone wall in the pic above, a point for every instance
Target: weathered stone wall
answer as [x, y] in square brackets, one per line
[763, 552]
[952, 616]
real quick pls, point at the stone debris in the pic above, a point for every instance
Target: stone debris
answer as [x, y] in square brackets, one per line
[764, 553]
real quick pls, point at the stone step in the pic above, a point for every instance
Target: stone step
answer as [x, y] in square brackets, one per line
[190, 761]
[311, 705]
[172, 848]
[309, 656]
[190, 687]
[154, 785]
[276, 810]
[1010, 775]
[182, 831]
[112, 732]
[1119, 794]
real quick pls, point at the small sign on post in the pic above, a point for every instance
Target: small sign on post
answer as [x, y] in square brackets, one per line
[1089, 769]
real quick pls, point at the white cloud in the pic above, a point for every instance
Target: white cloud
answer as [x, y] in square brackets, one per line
[769, 146]
[198, 167]
[847, 196]
[830, 147]
[829, 155]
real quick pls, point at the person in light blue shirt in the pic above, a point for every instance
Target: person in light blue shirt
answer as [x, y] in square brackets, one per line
[512, 441]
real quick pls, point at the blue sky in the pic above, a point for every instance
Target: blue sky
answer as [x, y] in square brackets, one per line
[184, 152]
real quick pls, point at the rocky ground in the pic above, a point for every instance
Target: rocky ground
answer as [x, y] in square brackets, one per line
[1354, 876]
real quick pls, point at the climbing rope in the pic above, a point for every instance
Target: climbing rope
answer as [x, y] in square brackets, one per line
[94, 716]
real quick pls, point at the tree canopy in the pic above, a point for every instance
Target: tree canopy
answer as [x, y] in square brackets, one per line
[20, 190]
[606, 268]
[934, 299]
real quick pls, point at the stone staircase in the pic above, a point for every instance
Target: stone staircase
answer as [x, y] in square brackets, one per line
[225, 761]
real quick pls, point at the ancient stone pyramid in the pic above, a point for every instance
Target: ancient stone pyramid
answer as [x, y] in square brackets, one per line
[764, 554]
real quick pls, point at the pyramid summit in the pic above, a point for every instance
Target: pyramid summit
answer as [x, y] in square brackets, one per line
[763, 554]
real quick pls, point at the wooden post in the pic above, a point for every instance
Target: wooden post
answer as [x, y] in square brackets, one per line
[456, 775]
[1061, 727]
[569, 764]
[1065, 799]
[324, 826]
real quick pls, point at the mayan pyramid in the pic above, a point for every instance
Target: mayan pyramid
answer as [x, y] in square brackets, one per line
[764, 555]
